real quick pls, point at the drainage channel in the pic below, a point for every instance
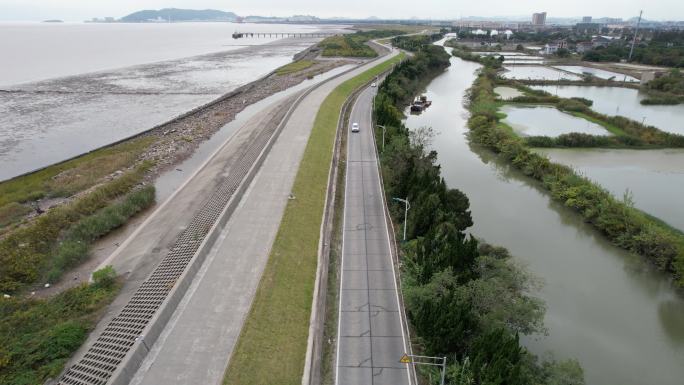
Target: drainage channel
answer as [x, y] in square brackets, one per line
[106, 354]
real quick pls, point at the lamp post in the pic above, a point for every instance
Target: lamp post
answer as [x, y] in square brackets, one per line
[383, 137]
[407, 206]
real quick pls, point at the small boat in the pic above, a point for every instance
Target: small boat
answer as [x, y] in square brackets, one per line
[420, 103]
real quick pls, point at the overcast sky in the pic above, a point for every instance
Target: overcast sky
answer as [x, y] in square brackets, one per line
[77, 10]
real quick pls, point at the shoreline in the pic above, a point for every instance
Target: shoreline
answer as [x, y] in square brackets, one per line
[99, 83]
[174, 142]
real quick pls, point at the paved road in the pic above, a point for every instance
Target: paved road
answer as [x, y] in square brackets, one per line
[370, 334]
[199, 339]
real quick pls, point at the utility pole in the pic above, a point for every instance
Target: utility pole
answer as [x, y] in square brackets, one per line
[631, 50]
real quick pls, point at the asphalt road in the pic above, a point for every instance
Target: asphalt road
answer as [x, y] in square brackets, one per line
[198, 341]
[371, 338]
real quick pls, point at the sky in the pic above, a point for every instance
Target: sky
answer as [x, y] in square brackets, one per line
[78, 10]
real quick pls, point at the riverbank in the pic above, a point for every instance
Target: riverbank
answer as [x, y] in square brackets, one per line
[608, 308]
[465, 300]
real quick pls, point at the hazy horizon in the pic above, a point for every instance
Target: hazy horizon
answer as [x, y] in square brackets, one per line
[79, 10]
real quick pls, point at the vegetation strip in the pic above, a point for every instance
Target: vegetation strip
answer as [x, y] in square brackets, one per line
[29, 252]
[354, 44]
[39, 336]
[623, 224]
[272, 343]
[67, 178]
[465, 300]
[295, 66]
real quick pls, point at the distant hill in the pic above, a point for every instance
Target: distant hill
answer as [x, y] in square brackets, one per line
[175, 14]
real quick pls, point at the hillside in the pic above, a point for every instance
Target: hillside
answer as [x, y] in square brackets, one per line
[175, 14]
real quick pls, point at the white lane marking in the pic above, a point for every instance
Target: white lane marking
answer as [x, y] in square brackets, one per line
[402, 321]
[344, 234]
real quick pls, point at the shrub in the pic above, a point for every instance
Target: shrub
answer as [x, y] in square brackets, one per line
[105, 277]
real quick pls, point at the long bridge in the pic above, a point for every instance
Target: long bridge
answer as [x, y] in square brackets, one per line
[239, 35]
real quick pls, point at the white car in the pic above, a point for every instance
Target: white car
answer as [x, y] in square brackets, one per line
[373, 84]
[355, 127]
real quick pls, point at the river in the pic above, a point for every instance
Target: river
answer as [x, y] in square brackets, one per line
[71, 88]
[610, 310]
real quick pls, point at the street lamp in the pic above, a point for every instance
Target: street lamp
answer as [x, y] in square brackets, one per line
[383, 137]
[407, 206]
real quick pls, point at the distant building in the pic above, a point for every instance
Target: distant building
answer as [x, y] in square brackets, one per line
[552, 48]
[612, 20]
[586, 19]
[584, 46]
[539, 19]
[601, 41]
[588, 28]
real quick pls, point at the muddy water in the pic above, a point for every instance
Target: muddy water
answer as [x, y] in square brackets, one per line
[654, 178]
[537, 72]
[625, 102]
[47, 121]
[608, 309]
[507, 92]
[547, 121]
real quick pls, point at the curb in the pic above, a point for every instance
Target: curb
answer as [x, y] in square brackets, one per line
[312, 365]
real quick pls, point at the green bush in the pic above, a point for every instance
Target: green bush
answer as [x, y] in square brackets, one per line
[28, 252]
[39, 336]
[105, 277]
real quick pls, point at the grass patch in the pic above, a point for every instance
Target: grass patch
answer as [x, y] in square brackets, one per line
[26, 253]
[12, 213]
[295, 66]
[353, 44]
[613, 129]
[73, 249]
[72, 176]
[272, 344]
[39, 336]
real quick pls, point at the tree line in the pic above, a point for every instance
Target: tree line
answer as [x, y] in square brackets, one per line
[465, 299]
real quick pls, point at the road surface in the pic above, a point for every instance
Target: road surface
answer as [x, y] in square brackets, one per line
[371, 336]
[197, 343]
